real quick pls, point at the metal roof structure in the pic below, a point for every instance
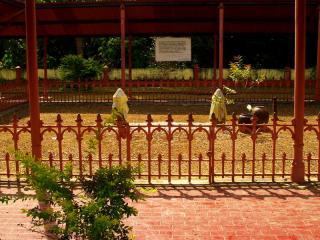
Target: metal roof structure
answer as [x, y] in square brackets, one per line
[155, 17]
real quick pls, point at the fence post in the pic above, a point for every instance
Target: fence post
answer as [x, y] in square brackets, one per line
[196, 74]
[32, 76]
[275, 105]
[287, 76]
[105, 75]
[298, 171]
[287, 73]
[18, 76]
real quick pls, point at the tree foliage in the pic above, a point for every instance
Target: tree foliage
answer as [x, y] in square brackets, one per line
[75, 67]
[262, 51]
[14, 53]
[238, 70]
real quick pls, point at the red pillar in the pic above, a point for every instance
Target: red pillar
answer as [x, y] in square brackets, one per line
[215, 57]
[221, 32]
[123, 45]
[130, 57]
[32, 76]
[299, 89]
[317, 97]
[45, 66]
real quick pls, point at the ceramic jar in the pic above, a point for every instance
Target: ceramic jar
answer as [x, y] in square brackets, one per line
[245, 118]
[261, 113]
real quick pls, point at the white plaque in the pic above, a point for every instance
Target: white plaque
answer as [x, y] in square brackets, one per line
[173, 49]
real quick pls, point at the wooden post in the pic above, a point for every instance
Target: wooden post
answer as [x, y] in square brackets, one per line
[299, 90]
[32, 76]
[221, 33]
[45, 68]
[123, 45]
[317, 97]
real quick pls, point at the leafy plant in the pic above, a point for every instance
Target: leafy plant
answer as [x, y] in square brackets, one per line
[14, 53]
[238, 70]
[227, 92]
[75, 67]
[95, 212]
[241, 72]
[313, 73]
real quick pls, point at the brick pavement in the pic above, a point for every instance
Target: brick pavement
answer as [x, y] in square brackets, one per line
[252, 211]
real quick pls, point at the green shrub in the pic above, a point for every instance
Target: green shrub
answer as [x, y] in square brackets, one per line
[75, 67]
[238, 70]
[94, 212]
[241, 72]
[313, 73]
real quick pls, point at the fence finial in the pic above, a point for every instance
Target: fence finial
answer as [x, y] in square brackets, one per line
[59, 119]
[99, 120]
[284, 156]
[234, 118]
[170, 119]
[79, 119]
[149, 118]
[275, 117]
[15, 120]
[190, 119]
[213, 119]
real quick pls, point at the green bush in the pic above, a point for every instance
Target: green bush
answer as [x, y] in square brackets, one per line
[94, 212]
[241, 72]
[313, 73]
[238, 70]
[75, 67]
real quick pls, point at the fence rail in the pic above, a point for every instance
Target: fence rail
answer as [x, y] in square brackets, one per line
[154, 91]
[168, 152]
[172, 83]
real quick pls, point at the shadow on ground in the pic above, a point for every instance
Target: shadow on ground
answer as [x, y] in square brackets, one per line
[235, 191]
[215, 191]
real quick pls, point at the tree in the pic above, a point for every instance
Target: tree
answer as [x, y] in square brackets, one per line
[75, 67]
[14, 53]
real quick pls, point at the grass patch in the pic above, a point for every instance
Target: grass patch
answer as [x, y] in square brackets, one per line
[165, 74]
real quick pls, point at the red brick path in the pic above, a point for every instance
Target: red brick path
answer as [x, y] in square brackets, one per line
[200, 212]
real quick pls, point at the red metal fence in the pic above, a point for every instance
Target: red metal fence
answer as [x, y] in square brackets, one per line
[173, 83]
[95, 92]
[12, 95]
[149, 91]
[168, 152]
[197, 88]
[145, 91]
